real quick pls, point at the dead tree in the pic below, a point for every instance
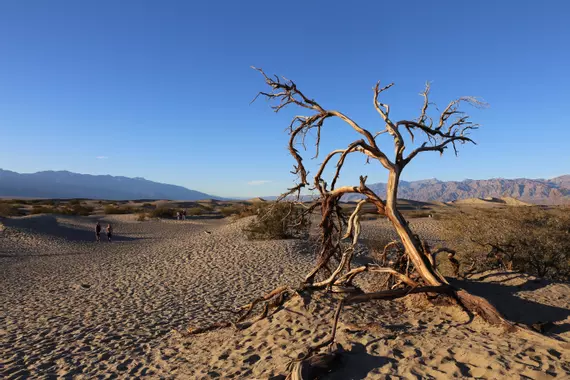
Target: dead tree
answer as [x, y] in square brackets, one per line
[413, 266]
[409, 263]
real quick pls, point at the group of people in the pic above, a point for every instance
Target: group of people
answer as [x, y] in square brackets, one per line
[181, 215]
[109, 231]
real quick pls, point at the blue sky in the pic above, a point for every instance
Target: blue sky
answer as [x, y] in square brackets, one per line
[161, 89]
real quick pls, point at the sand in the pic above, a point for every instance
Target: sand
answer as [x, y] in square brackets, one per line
[73, 307]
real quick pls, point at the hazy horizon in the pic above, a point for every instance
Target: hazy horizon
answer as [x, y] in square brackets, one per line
[229, 195]
[163, 91]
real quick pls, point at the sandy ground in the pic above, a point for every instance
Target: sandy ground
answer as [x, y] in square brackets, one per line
[71, 307]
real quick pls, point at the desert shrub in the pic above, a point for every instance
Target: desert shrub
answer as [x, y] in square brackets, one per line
[75, 202]
[40, 209]
[111, 209]
[148, 205]
[418, 214]
[162, 212]
[251, 210]
[76, 209]
[365, 217]
[207, 208]
[277, 221]
[230, 210]
[243, 210]
[194, 211]
[9, 210]
[141, 216]
[527, 239]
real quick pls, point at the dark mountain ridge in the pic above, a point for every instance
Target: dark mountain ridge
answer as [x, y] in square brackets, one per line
[64, 184]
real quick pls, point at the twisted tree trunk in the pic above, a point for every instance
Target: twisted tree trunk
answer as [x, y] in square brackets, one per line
[411, 245]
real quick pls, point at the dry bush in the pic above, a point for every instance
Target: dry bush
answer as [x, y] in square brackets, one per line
[79, 209]
[162, 212]
[70, 209]
[527, 239]
[194, 211]
[7, 210]
[277, 221]
[207, 208]
[240, 211]
[230, 210]
[112, 209]
[418, 214]
[366, 217]
[141, 216]
[39, 209]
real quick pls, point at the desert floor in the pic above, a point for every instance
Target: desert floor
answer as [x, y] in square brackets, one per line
[73, 307]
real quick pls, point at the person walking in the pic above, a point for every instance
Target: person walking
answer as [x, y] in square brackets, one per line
[109, 232]
[98, 232]
[184, 214]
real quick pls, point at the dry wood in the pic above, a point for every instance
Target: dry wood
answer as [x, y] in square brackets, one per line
[411, 266]
[277, 292]
[452, 128]
[313, 367]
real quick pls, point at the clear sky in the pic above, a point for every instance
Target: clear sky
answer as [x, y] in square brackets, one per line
[161, 89]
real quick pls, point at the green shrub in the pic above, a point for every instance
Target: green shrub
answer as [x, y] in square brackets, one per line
[162, 212]
[277, 221]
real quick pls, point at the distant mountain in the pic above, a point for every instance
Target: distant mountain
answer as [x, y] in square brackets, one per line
[64, 184]
[539, 191]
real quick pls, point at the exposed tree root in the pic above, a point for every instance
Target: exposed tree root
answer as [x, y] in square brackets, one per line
[271, 300]
[277, 293]
[480, 306]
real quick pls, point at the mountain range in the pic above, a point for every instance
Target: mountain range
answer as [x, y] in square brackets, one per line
[539, 191]
[64, 184]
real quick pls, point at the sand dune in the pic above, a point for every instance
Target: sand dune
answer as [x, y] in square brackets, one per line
[72, 307]
[491, 202]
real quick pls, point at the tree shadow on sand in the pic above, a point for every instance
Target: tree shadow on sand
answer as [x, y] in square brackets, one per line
[48, 225]
[515, 308]
[357, 364]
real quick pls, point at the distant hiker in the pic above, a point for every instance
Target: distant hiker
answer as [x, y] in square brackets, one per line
[109, 231]
[178, 215]
[98, 232]
[184, 214]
